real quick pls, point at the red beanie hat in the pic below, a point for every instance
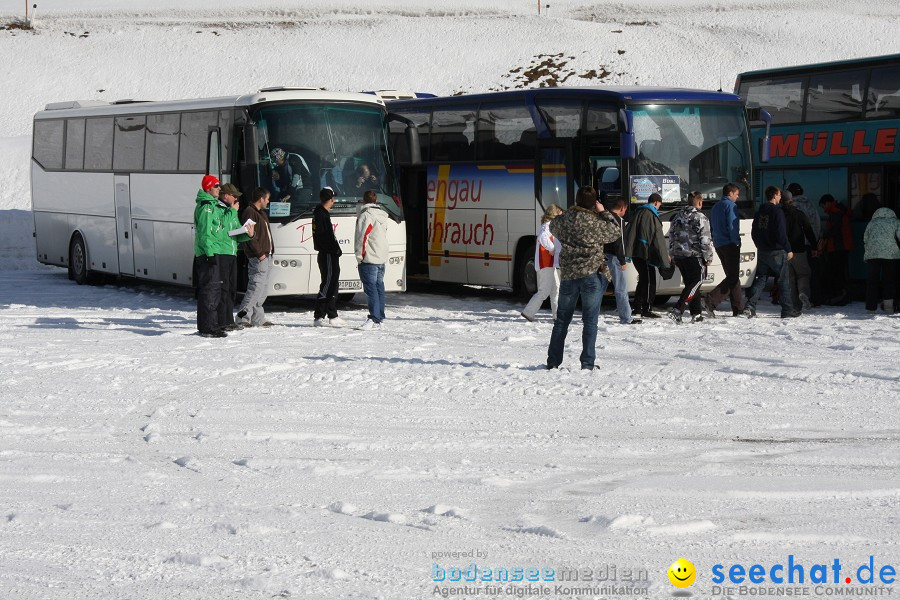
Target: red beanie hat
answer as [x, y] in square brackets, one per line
[209, 182]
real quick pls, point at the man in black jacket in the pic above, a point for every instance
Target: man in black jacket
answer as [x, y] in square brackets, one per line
[326, 244]
[803, 242]
[773, 253]
[615, 259]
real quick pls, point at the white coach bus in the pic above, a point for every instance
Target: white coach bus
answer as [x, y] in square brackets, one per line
[113, 185]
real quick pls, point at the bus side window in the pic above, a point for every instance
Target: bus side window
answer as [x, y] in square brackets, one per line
[884, 93]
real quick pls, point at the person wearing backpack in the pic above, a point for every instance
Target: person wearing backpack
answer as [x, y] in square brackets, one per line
[690, 245]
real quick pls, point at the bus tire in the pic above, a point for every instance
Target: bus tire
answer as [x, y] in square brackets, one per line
[525, 277]
[78, 261]
[345, 297]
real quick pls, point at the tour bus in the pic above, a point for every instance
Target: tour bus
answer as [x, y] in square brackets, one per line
[114, 184]
[834, 131]
[492, 163]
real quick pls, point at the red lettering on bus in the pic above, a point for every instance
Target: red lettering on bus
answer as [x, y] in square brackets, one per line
[885, 140]
[481, 234]
[819, 139]
[859, 143]
[785, 145]
[837, 147]
[455, 191]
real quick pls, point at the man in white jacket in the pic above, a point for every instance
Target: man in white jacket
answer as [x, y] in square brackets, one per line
[372, 254]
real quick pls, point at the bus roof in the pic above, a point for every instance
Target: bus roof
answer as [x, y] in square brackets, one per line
[618, 94]
[89, 108]
[871, 61]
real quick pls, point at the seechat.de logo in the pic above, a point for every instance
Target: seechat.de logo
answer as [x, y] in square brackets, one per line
[682, 573]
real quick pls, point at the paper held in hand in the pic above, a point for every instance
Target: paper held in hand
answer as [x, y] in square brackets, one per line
[242, 229]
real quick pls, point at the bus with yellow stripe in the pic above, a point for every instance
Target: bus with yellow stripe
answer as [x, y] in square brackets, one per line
[492, 163]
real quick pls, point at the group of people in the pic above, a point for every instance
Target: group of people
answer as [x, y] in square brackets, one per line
[219, 233]
[580, 251]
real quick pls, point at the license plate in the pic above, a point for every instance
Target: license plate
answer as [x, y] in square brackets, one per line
[350, 285]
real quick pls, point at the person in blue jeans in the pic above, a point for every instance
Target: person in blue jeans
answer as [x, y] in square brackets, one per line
[773, 253]
[582, 231]
[372, 253]
[615, 259]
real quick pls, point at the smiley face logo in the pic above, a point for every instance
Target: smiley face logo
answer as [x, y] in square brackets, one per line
[682, 573]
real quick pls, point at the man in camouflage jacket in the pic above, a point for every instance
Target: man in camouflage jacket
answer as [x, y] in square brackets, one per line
[582, 231]
[690, 246]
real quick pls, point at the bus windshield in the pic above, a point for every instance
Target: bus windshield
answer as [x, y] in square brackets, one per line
[305, 147]
[704, 146]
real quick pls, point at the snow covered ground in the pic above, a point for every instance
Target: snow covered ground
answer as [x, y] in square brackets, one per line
[138, 460]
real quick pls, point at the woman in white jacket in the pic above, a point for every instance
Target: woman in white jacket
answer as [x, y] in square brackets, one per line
[546, 263]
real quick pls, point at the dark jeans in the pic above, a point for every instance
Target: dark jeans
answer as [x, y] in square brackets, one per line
[209, 294]
[730, 257]
[772, 263]
[228, 273]
[645, 292]
[882, 272]
[588, 288]
[329, 272]
[692, 273]
[372, 277]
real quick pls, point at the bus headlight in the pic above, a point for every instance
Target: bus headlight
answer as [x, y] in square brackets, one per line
[748, 256]
[293, 263]
[284, 263]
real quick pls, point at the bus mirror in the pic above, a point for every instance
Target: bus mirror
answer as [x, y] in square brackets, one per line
[415, 149]
[765, 146]
[628, 149]
[412, 137]
[627, 145]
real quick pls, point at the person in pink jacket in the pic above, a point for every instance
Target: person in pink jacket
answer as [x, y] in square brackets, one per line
[546, 263]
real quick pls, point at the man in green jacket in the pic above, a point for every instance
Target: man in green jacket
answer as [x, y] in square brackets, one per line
[226, 253]
[209, 226]
[211, 239]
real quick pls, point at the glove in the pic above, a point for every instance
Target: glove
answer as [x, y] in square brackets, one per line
[667, 272]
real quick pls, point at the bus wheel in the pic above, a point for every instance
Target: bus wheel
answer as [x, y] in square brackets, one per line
[346, 297]
[78, 260]
[525, 283]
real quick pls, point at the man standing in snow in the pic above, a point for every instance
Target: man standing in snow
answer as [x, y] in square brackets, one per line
[326, 244]
[226, 253]
[690, 245]
[259, 252]
[774, 251]
[725, 222]
[581, 232]
[615, 258]
[646, 245]
[208, 228]
[372, 253]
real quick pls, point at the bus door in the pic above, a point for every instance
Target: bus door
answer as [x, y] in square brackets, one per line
[604, 166]
[413, 190]
[554, 181]
[123, 224]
